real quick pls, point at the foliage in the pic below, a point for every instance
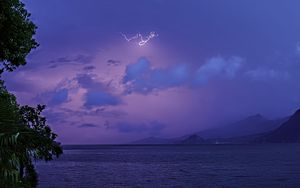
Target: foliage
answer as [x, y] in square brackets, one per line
[16, 34]
[43, 142]
[24, 135]
[9, 133]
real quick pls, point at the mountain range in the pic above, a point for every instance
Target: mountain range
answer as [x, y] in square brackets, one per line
[255, 124]
[289, 131]
[254, 128]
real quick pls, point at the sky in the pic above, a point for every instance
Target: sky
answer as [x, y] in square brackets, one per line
[208, 62]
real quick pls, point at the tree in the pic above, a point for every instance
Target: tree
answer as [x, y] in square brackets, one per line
[24, 134]
[9, 132]
[16, 34]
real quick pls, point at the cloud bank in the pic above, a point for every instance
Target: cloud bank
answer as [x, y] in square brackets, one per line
[141, 77]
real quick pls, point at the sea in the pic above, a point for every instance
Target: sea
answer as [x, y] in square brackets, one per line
[203, 166]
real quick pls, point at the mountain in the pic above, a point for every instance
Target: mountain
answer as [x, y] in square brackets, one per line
[251, 125]
[288, 131]
[188, 139]
[192, 139]
[253, 129]
[153, 140]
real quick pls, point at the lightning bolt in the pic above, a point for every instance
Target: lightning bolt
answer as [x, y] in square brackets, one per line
[141, 40]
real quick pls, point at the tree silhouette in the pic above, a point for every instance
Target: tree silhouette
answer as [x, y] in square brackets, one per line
[24, 133]
[16, 34]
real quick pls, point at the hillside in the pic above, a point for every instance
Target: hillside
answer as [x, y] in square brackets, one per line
[288, 131]
[251, 125]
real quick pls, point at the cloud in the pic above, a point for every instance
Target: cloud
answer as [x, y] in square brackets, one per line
[137, 70]
[112, 62]
[89, 68]
[59, 97]
[140, 77]
[53, 97]
[261, 74]
[88, 82]
[99, 98]
[87, 125]
[98, 94]
[82, 90]
[152, 128]
[77, 60]
[76, 117]
[97, 112]
[218, 66]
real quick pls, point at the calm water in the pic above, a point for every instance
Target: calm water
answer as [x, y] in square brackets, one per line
[175, 166]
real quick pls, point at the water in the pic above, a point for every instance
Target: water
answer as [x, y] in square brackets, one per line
[224, 166]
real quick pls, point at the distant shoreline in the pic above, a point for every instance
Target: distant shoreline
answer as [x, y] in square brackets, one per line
[102, 146]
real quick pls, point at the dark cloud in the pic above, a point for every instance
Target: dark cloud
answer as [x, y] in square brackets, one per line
[88, 82]
[112, 62]
[99, 98]
[106, 124]
[98, 94]
[98, 112]
[53, 97]
[77, 60]
[83, 59]
[60, 96]
[140, 77]
[89, 68]
[62, 60]
[87, 125]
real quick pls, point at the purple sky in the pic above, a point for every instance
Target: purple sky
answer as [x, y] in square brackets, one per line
[212, 61]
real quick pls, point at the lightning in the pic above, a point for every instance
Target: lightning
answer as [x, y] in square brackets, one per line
[139, 37]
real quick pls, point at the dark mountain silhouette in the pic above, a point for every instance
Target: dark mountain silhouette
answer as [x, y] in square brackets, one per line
[248, 139]
[192, 139]
[253, 129]
[153, 140]
[188, 139]
[251, 125]
[288, 131]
